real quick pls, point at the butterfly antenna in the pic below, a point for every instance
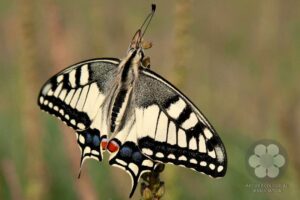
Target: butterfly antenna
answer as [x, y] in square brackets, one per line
[148, 19]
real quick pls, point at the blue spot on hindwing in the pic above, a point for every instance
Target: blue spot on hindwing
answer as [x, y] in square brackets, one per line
[96, 140]
[88, 138]
[137, 157]
[126, 152]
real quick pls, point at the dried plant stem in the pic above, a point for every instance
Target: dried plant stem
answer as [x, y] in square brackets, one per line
[182, 40]
[152, 188]
[182, 46]
[36, 187]
[12, 179]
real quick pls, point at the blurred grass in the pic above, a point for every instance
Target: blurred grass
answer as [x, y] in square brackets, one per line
[242, 71]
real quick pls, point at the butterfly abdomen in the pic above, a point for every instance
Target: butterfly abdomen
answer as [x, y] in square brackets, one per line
[118, 108]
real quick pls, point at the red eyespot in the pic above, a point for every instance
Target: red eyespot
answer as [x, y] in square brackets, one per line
[112, 146]
[104, 143]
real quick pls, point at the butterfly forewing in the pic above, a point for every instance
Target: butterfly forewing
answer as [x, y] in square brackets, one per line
[76, 96]
[172, 130]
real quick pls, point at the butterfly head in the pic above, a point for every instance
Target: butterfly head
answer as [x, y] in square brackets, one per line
[138, 45]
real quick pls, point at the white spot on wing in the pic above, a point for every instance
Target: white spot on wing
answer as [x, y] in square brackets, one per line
[73, 121]
[162, 126]
[212, 154]
[182, 158]
[81, 126]
[193, 143]
[72, 78]
[190, 122]
[149, 121]
[100, 123]
[59, 78]
[95, 152]
[181, 138]
[41, 100]
[58, 89]
[63, 94]
[139, 117]
[134, 168]
[84, 76]
[75, 98]
[46, 89]
[61, 111]
[81, 139]
[50, 92]
[172, 133]
[220, 168]
[176, 108]
[171, 156]
[203, 163]
[207, 133]
[220, 154]
[194, 161]
[87, 150]
[69, 96]
[96, 106]
[55, 108]
[212, 166]
[147, 163]
[91, 98]
[159, 155]
[147, 151]
[82, 98]
[202, 145]
[121, 162]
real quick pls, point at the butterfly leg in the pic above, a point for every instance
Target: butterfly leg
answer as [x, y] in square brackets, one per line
[146, 62]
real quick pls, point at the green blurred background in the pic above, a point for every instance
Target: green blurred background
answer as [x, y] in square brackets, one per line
[237, 60]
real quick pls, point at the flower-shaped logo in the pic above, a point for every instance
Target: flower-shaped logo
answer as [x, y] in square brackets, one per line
[266, 160]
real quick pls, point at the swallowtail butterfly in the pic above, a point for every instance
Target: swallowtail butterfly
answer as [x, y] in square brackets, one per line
[122, 106]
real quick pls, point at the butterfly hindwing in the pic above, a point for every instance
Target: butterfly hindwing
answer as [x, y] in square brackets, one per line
[130, 159]
[172, 130]
[75, 95]
[129, 156]
[89, 142]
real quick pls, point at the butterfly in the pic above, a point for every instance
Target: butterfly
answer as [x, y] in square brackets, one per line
[123, 107]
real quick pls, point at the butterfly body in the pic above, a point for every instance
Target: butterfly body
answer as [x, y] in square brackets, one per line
[125, 81]
[141, 119]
